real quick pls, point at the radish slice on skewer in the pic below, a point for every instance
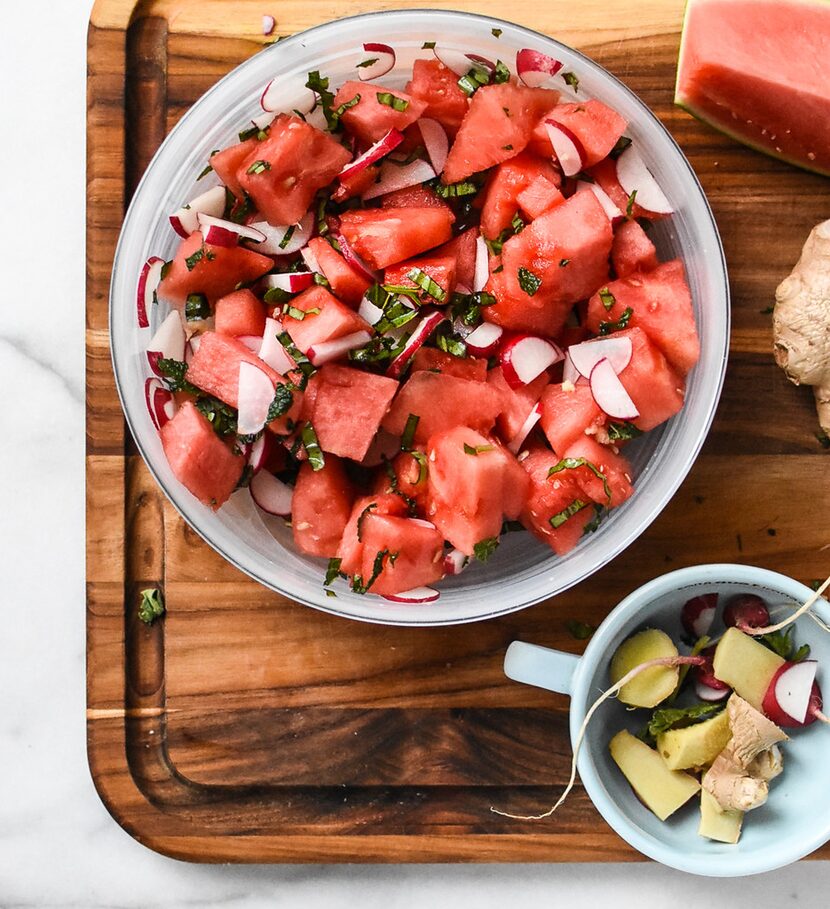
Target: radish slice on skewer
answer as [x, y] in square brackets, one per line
[355, 261]
[186, 219]
[379, 150]
[160, 402]
[610, 394]
[399, 176]
[634, 176]
[526, 428]
[270, 494]
[298, 235]
[272, 352]
[484, 340]
[273, 98]
[436, 142]
[256, 393]
[326, 351]
[567, 148]
[148, 281]
[586, 355]
[226, 233]
[482, 266]
[292, 282]
[526, 357]
[168, 342]
[698, 614]
[380, 59]
[422, 331]
[455, 561]
[259, 452]
[607, 203]
[416, 595]
[535, 68]
[706, 693]
[793, 697]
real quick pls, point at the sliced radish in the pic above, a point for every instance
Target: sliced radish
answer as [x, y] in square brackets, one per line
[268, 25]
[608, 205]
[292, 282]
[272, 352]
[422, 331]
[259, 452]
[355, 261]
[793, 698]
[526, 428]
[586, 355]
[270, 494]
[160, 402]
[566, 146]
[610, 394]
[274, 93]
[310, 260]
[535, 68]
[706, 693]
[252, 342]
[483, 340]
[324, 351]
[416, 595]
[460, 63]
[482, 266]
[525, 357]
[186, 219]
[379, 150]
[263, 121]
[634, 176]
[399, 176]
[746, 610]
[317, 119]
[569, 372]
[384, 60]
[369, 312]
[168, 342]
[148, 281]
[275, 234]
[698, 614]
[256, 393]
[219, 232]
[455, 561]
[436, 142]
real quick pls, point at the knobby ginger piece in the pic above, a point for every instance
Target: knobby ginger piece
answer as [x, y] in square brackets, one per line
[768, 764]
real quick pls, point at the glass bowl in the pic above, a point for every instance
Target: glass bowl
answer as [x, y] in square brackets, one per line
[523, 571]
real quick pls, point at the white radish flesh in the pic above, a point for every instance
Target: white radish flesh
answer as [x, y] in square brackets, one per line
[186, 220]
[634, 176]
[383, 57]
[396, 176]
[526, 428]
[586, 355]
[275, 93]
[270, 494]
[793, 689]
[252, 342]
[369, 312]
[355, 261]
[160, 402]
[256, 393]
[422, 331]
[569, 372]
[482, 266]
[148, 281]
[535, 68]
[527, 357]
[168, 342]
[460, 63]
[566, 147]
[325, 351]
[484, 340]
[259, 452]
[436, 142]
[310, 260]
[455, 561]
[272, 352]
[706, 693]
[215, 230]
[610, 394]
[275, 235]
[698, 614]
[291, 282]
[416, 595]
[608, 205]
[372, 155]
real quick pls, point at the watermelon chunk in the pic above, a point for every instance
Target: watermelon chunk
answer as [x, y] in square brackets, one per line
[346, 283]
[596, 126]
[213, 271]
[605, 174]
[442, 402]
[382, 237]
[200, 460]
[509, 180]
[418, 196]
[463, 248]
[516, 403]
[759, 73]
[497, 127]
[355, 184]
[416, 546]
[240, 313]
[411, 471]
[334, 320]
[440, 268]
[471, 494]
[614, 467]
[227, 162]
[369, 119]
[430, 359]
[632, 250]
[539, 196]
[437, 86]
[567, 249]
[348, 409]
[661, 305]
[321, 507]
[350, 550]
[655, 388]
[568, 413]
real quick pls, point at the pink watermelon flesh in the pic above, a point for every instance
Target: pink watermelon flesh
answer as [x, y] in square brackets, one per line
[417, 549]
[655, 388]
[569, 412]
[759, 71]
[320, 507]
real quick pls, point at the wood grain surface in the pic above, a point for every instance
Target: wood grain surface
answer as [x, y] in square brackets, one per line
[245, 727]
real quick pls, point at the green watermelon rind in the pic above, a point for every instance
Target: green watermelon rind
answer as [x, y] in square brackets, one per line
[687, 105]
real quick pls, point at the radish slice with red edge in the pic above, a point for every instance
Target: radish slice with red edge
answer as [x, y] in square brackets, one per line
[610, 394]
[567, 148]
[252, 342]
[455, 561]
[160, 402]
[275, 92]
[355, 261]
[525, 357]
[422, 331]
[256, 393]
[300, 233]
[268, 25]
[526, 428]
[369, 312]
[219, 232]
[482, 266]
[416, 595]
[483, 340]
[310, 260]
[698, 614]
[706, 693]
[168, 342]
[186, 219]
[608, 205]
[259, 452]
[535, 68]
[569, 372]
[634, 176]
[148, 281]
[586, 355]
[436, 142]
[270, 494]
[793, 697]
[460, 63]
[263, 121]
[396, 176]
[291, 282]
[271, 351]
[325, 351]
[379, 60]
[379, 150]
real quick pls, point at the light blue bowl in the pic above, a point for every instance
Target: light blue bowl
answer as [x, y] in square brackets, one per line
[796, 818]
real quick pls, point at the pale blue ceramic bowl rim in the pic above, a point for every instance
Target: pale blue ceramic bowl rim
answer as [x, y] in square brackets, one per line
[791, 844]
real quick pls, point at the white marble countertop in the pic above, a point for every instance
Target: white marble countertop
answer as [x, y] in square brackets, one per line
[58, 845]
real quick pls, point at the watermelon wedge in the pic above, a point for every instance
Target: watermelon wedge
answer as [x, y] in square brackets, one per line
[758, 70]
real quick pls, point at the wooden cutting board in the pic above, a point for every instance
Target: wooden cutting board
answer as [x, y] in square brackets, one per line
[248, 728]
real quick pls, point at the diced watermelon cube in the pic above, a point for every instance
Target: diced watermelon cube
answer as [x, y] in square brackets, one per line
[200, 460]
[442, 402]
[497, 126]
[213, 270]
[334, 320]
[284, 171]
[416, 546]
[411, 471]
[370, 120]
[430, 359]
[567, 249]
[384, 236]
[240, 313]
[435, 84]
[440, 268]
[321, 507]
[568, 413]
[614, 467]
[355, 184]
[346, 284]
[508, 181]
[661, 305]
[463, 247]
[540, 196]
[418, 196]
[515, 403]
[350, 551]
[632, 250]
[227, 162]
[655, 388]
[474, 484]
[595, 125]
[348, 409]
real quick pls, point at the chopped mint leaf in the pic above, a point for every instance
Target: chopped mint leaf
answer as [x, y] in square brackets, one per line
[574, 463]
[572, 80]
[622, 144]
[607, 299]
[196, 308]
[423, 280]
[496, 32]
[629, 206]
[529, 282]
[622, 432]
[370, 62]
[666, 718]
[560, 517]
[477, 449]
[259, 167]
[580, 630]
[315, 454]
[283, 399]
[408, 436]
[485, 548]
[606, 328]
[390, 100]
[151, 606]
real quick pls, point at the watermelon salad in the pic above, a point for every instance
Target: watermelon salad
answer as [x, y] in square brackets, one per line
[408, 321]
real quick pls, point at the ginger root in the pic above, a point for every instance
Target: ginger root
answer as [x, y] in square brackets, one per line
[801, 321]
[739, 777]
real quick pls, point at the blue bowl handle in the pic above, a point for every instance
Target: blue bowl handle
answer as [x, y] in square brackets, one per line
[540, 666]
